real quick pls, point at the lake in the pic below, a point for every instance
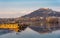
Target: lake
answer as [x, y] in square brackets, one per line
[29, 33]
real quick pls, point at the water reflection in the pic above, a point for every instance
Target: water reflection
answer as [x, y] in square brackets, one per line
[44, 31]
[29, 33]
[43, 28]
[6, 31]
[46, 27]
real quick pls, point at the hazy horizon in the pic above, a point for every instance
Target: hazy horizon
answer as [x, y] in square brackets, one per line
[17, 8]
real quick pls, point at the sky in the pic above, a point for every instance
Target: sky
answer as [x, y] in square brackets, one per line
[18, 8]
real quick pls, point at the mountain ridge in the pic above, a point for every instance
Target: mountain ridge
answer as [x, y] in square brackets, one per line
[43, 12]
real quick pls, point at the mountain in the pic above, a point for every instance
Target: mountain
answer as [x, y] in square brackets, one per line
[43, 12]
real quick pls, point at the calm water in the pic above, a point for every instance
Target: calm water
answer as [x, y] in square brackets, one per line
[29, 33]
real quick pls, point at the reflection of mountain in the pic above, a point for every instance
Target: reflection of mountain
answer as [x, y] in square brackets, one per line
[43, 12]
[4, 31]
[29, 33]
[46, 28]
[40, 29]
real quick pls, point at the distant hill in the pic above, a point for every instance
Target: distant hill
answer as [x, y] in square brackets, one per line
[43, 12]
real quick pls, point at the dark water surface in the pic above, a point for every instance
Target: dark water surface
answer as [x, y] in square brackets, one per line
[29, 33]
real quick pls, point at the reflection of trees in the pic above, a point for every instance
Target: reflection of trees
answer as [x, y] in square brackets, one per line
[53, 26]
